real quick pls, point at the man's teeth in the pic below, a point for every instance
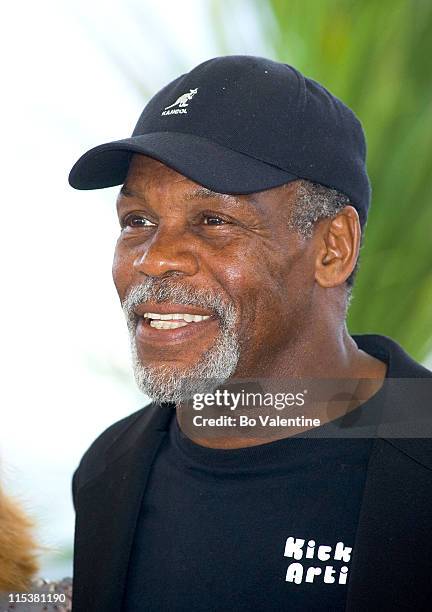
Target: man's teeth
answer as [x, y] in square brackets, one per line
[172, 321]
[167, 324]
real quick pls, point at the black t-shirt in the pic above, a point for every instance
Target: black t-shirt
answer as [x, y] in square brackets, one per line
[268, 527]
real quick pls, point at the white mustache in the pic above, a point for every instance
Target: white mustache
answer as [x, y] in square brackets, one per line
[163, 291]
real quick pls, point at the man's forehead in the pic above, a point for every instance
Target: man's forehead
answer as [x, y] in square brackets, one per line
[147, 174]
[144, 169]
[194, 192]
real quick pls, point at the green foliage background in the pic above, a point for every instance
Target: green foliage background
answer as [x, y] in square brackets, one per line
[375, 56]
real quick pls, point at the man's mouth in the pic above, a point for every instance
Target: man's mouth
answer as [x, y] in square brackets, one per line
[172, 322]
[160, 320]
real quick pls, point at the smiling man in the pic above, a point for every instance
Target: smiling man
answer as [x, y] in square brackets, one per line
[243, 201]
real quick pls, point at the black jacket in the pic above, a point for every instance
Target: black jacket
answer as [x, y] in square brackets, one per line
[392, 567]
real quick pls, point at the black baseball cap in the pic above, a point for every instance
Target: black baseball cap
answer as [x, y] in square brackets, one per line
[240, 124]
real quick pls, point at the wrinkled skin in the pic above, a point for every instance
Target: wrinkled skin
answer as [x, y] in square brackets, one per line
[289, 292]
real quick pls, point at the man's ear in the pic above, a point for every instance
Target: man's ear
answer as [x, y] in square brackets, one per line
[338, 247]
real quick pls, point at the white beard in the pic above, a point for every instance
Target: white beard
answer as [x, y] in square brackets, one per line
[166, 383]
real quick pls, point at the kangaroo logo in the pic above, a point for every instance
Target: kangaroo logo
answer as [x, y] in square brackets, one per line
[182, 102]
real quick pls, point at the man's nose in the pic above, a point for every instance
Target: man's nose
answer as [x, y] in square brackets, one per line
[168, 252]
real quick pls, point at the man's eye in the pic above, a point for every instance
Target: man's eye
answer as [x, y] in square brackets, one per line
[213, 220]
[136, 221]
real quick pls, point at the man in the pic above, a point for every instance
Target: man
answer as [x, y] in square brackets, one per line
[244, 198]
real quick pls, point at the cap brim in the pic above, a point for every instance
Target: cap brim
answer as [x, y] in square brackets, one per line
[211, 165]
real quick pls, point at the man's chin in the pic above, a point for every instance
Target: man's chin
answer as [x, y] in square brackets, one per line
[166, 384]
[176, 382]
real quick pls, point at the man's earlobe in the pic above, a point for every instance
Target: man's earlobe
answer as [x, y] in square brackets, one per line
[338, 248]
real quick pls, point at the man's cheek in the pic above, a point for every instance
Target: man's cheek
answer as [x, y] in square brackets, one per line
[122, 273]
[240, 271]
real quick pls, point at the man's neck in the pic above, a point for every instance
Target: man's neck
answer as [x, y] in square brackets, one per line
[335, 357]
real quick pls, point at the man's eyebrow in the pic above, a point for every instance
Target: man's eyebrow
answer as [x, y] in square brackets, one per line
[201, 193]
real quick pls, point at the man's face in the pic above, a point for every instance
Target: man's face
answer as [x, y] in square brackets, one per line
[231, 261]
